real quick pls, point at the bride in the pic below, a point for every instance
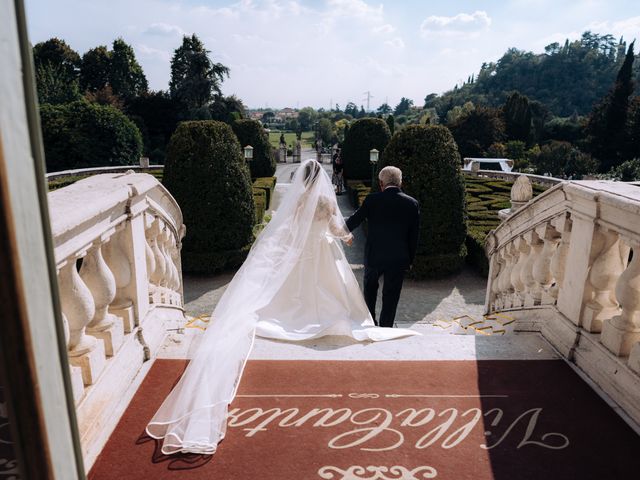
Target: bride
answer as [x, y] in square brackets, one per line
[296, 284]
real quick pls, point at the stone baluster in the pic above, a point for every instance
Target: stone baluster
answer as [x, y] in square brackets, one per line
[78, 307]
[620, 333]
[607, 266]
[158, 276]
[75, 373]
[119, 262]
[526, 275]
[505, 279]
[558, 262]
[498, 265]
[148, 251]
[523, 250]
[102, 284]
[542, 265]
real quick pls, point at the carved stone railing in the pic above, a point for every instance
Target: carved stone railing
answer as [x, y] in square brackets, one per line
[117, 240]
[568, 264]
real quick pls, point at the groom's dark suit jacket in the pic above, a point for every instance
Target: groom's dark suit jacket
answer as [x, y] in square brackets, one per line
[393, 222]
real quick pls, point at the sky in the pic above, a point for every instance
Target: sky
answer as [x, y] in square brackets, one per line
[296, 53]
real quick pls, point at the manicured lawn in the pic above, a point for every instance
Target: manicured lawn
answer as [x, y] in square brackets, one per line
[290, 138]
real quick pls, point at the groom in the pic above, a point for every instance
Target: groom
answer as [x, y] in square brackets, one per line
[393, 220]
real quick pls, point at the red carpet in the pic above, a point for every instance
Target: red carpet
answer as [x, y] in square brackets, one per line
[510, 420]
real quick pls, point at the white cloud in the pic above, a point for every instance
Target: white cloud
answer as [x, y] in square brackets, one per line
[396, 42]
[150, 52]
[354, 8]
[384, 28]
[629, 28]
[164, 30]
[463, 23]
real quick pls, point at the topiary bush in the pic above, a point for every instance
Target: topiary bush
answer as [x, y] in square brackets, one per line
[268, 184]
[363, 135]
[251, 132]
[430, 163]
[82, 134]
[206, 173]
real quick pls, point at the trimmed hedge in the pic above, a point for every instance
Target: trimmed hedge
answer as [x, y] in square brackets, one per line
[206, 173]
[82, 134]
[429, 159]
[363, 135]
[268, 184]
[260, 201]
[251, 132]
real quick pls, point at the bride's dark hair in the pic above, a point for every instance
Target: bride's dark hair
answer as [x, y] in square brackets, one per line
[311, 172]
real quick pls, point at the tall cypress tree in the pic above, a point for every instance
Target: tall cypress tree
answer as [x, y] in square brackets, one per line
[126, 76]
[95, 69]
[607, 124]
[517, 117]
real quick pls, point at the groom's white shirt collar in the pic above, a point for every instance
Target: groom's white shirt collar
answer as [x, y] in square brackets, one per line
[390, 186]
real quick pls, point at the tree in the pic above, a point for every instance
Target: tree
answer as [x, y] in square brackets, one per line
[95, 69]
[82, 134]
[126, 76]
[429, 160]
[157, 115]
[57, 68]
[607, 123]
[53, 86]
[477, 131]
[306, 118]
[207, 175]
[633, 131]
[227, 109]
[326, 131]
[351, 109]
[251, 132]
[361, 137]
[268, 116]
[384, 109]
[403, 107]
[391, 123]
[195, 79]
[561, 159]
[517, 117]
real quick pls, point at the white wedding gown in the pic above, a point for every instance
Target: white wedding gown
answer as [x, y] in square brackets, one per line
[296, 284]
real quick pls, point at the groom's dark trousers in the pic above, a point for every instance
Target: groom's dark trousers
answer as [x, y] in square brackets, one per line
[393, 220]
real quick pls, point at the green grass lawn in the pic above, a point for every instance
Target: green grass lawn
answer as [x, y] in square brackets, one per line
[290, 138]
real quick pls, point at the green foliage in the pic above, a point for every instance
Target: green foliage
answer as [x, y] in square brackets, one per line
[57, 67]
[227, 109]
[564, 129]
[268, 184]
[561, 159]
[158, 118]
[429, 159]
[82, 134]
[517, 117]
[363, 136]
[194, 77]
[391, 123]
[567, 77]
[126, 76]
[251, 132]
[326, 131]
[260, 201]
[633, 133]
[607, 124]
[207, 175]
[95, 69]
[403, 106]
[477, 131]
[306, 118]
[628, 171]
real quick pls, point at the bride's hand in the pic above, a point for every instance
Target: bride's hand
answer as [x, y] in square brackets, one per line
[349, 240]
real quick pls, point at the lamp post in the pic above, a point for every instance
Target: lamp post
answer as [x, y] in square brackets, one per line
[373, 159]
[248, 156]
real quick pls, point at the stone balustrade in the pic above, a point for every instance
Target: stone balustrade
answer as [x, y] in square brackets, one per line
[568, 264]
[117, 241]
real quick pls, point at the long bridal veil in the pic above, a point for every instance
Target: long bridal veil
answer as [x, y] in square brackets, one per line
[193, 417]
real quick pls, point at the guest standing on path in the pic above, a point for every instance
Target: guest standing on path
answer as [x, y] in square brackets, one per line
[393, 220]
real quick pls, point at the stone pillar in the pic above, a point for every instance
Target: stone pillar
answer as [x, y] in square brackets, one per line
[535, 244]
[542, 266]
[283, 153]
